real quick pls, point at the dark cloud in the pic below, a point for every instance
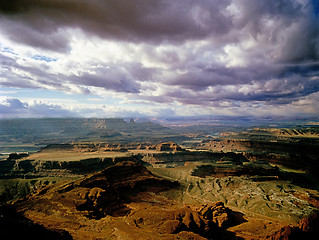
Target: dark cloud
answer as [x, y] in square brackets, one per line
[200, 79]
[140, 20]
[113, 78]
[302, 44]
[204, 52]
[40, 23]
[291, 25]
[275, 91]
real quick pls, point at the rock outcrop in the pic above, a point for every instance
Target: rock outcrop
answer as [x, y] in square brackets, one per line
[287, 152]
[257, 169]
[59, 168]
[310, 224]
[108, 192]
[287, 233]
[207, 221]
[308, 229]
[126, 201]
[168, 146]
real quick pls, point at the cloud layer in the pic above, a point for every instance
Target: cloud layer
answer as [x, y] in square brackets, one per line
[211, 55]
[14, 108]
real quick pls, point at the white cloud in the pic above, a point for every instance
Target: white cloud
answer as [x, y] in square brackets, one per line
[215, 56]
[14, 108]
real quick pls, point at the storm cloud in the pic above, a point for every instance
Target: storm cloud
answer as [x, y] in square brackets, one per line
[208, 53]
[140, 20]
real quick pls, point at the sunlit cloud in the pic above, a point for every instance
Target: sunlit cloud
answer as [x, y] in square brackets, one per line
[231, 57]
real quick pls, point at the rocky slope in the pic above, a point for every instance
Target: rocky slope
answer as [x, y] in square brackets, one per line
[255, 189]
[288, 152]
[124, 201]
[127, 201]
[83, 158]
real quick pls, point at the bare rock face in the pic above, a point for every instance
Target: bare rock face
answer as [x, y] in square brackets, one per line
[310, 224]
[106, 192]
[125, 201]
[167, 146]
[287, 233]
[206, 221]
[308, 229]
[217, 213]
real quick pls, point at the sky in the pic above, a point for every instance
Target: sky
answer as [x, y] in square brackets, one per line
[125, 58]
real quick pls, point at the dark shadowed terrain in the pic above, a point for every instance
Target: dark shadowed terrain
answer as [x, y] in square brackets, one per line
[116, 179]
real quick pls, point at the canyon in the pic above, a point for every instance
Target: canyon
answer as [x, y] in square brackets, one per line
[260, 183]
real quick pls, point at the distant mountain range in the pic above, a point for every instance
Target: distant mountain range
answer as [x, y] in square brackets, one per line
[19, 135]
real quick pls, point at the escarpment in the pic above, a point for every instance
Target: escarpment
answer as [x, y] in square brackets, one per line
[124, 200]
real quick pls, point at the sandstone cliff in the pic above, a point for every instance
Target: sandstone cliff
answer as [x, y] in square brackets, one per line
[124, 201]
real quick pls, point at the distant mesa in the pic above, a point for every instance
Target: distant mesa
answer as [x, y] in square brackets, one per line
[116, 147]
[53, 130]
[62, 146]
[167, 146]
